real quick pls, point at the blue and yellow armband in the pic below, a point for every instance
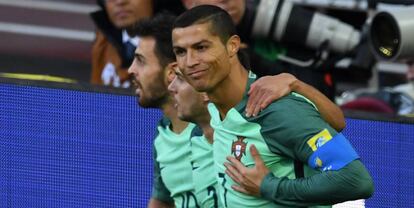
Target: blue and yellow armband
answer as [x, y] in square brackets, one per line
[330, 153]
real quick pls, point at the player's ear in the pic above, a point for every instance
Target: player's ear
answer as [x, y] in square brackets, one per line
[188, 4]
[233, 45]
[170, 71]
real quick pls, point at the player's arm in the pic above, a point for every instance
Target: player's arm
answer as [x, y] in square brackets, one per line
[305, 137]
[326, 188]
[341, 176]
[270, 88]
[329, 111]
[348, 183]
[160, 197]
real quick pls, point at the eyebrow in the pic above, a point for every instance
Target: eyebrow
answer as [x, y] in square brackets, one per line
[201, 42]
[194, 44]
[139, 56]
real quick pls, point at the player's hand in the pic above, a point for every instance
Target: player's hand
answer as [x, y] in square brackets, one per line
[248, 179]
[266, 90]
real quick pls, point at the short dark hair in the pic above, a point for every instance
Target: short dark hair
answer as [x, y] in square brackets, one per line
[158, 27]
[221, 22]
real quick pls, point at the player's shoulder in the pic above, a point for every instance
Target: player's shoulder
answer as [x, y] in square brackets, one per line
[290, 102]
[161, 131]
[285, 108]
[282, 104]
[162, 126]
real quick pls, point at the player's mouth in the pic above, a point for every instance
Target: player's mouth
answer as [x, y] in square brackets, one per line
[137, 86]
[123, 14]
[138, 92]
[175, 102]
[197, 74]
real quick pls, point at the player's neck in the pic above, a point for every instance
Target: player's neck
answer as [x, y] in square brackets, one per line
[229, 92]
[204, 123]
[177, 125]
[208, 133]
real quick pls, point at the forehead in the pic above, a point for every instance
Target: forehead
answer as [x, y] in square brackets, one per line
[146, 46]
[196, 32]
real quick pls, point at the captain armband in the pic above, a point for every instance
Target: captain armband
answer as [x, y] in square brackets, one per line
[330, 153]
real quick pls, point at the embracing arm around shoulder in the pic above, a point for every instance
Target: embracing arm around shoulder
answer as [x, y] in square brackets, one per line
[329, 111]
[267, 89]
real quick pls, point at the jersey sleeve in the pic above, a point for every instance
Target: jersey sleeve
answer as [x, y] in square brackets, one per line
[288, 124]
[159, 191]
[293, 127]
[326, 188]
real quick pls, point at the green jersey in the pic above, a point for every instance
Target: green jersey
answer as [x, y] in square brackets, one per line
[281, 134]
[173, 171]
[204, 177]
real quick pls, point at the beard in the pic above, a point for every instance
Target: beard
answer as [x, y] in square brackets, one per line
[155, 95]
[153, 101]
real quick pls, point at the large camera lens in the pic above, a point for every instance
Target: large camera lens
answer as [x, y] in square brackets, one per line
[287, 22]
[385, 36]
[392, 34]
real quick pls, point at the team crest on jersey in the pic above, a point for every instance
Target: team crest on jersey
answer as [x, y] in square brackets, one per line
[238, 148]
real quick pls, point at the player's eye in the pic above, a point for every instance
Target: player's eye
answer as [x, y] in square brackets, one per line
[179, 51]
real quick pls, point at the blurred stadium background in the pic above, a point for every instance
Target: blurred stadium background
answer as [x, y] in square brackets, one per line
[55, 37]
[47, 37]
